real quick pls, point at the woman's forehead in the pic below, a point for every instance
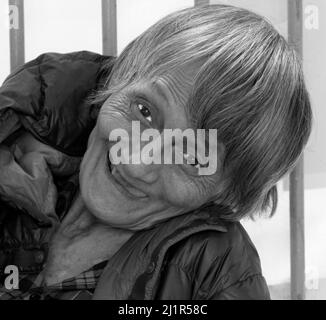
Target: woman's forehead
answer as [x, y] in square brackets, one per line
[177, 83]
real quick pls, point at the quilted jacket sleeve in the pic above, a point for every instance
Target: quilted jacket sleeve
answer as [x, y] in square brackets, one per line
[214, 266]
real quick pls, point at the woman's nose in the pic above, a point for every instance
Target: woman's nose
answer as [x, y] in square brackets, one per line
[146, 173]
[145, 162]
[139, 160]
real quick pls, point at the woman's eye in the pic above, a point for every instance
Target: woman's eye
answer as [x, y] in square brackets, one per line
[145, 112]
[191, 160]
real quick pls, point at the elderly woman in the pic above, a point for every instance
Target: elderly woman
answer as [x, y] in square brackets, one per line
[101, 229]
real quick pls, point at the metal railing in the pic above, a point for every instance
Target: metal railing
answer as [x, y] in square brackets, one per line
[297, 240]
[109, 29]
[17, 36]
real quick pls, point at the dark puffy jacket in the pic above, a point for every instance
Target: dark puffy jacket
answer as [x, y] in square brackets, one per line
[45, 122]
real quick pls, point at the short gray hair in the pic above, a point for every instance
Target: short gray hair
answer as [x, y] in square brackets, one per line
[250, 87]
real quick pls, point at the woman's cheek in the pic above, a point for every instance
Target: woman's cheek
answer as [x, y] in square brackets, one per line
[185, 193]
[92, 137]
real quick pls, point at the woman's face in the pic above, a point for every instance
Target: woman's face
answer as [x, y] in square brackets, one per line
[136, 196]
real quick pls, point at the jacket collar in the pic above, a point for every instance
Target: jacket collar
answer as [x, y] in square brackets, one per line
[132, 273]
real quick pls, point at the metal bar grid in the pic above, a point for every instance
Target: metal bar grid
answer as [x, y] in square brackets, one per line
[297, 239]
[109, 27]
[201, 3]
[17, 34]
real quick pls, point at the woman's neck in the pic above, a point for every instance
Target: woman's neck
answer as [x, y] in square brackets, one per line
[80, 243]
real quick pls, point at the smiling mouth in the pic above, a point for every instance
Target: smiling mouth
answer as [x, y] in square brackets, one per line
[122, 184]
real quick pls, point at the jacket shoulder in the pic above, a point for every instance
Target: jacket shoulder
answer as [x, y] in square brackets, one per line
[49, 93]
[215, 264]
[55, 59]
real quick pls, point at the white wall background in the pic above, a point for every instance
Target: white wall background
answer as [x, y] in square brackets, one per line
[63, 26]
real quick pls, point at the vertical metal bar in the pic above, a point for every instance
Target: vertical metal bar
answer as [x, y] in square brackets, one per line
[295, 25]
[17, 33]
[109, 27]
[297, 232]
[201, 3]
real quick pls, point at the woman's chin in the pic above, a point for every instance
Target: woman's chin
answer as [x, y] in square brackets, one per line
[103, 201]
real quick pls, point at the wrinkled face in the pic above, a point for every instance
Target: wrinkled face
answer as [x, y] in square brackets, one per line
[137, 196]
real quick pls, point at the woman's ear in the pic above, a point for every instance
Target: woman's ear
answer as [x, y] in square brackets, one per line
[223, 181]
[220, 157]
[215, 157]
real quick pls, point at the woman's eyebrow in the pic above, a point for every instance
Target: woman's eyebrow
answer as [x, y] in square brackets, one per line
[160, 91]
